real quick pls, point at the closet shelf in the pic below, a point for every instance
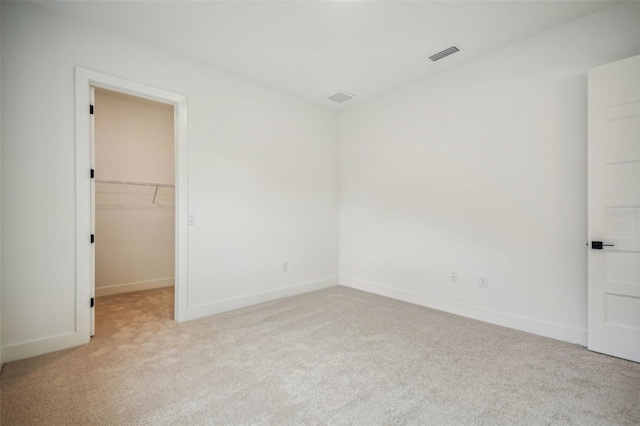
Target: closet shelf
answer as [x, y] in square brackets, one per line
[127, 182]
[126, 194]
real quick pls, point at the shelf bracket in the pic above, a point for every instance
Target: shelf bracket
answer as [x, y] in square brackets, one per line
[154, 195]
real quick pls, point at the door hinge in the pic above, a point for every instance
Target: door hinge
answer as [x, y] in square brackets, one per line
[93, 238]
[93, 172]
[599, 245]
[93, 302]
[90, 109]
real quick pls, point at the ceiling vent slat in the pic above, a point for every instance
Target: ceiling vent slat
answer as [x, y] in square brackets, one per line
[444, 53]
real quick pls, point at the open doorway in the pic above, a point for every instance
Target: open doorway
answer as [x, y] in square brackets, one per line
[86, 82]
[133, 206]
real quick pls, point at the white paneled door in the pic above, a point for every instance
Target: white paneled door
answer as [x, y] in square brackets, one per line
[614, 209]
[92, 141]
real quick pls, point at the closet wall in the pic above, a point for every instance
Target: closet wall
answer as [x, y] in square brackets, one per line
[135, 234]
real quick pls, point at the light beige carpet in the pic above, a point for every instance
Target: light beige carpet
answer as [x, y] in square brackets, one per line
[336, 356]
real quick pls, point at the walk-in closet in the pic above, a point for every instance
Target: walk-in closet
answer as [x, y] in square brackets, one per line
[134, 194]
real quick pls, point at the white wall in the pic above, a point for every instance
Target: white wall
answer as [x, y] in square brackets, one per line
[135, 238]
[262, 177]
[481, 170]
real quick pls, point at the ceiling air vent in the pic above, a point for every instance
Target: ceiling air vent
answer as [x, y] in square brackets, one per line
[444, 53]
[339, 97]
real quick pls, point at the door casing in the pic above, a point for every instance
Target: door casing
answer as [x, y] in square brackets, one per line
[85, 79]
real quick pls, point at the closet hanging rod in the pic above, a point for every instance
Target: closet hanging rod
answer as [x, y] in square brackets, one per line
[124, 182]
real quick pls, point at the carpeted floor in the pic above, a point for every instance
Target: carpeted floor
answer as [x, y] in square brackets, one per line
[336, 356]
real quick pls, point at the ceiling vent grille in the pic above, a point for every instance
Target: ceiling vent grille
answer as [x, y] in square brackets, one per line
[444, 53]
[339, 97]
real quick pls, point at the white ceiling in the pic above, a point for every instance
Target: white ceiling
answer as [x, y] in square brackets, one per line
[315, 48]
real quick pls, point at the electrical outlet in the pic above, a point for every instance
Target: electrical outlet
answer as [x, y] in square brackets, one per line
[285, 266]
[483, 282]
[192, 219]
[454, 277]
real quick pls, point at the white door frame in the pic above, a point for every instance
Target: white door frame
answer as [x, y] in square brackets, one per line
[84, 80]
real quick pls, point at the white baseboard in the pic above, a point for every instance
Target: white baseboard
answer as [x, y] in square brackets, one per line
[137, 286]
[530, 325]
[194, 312]
[42, 346]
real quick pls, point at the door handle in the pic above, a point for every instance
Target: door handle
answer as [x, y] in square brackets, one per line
[598, 245]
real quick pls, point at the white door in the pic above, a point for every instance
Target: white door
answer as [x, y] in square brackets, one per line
[92, 285]
[614, 209]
